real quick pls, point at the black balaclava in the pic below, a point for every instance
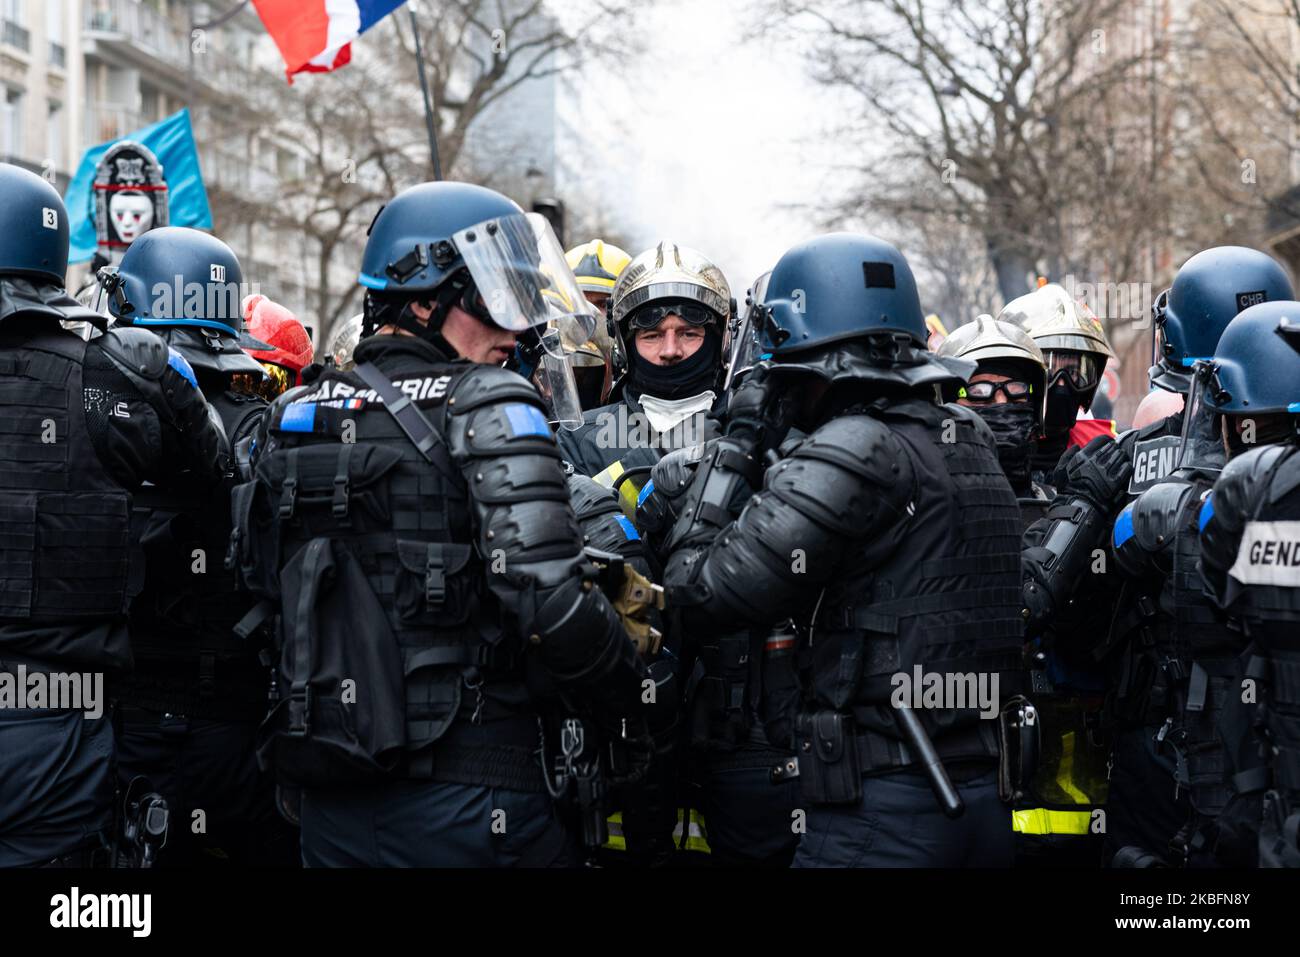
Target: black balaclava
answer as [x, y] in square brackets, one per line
[695, 374]
[1015, 425]
[1015, 428]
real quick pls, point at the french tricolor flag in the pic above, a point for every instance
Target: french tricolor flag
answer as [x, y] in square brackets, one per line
[316, 35]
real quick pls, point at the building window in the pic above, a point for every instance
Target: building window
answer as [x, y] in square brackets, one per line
[12, 31]
[11, 123]
[54, 134]
[54, 33]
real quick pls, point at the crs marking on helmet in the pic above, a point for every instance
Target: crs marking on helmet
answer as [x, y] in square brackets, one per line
[49, 217]
[217, 272]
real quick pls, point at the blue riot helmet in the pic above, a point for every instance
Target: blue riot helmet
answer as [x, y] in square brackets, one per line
[187, 286]
[1210, 288]
[34, 250]
[456, 244]
[844, 306]
[33, 227]
[1253, 378]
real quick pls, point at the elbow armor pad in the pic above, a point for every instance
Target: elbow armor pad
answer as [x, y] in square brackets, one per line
[497, 433]
[604, 526]
[1063, 547]
[844, 484]
[1145, 530]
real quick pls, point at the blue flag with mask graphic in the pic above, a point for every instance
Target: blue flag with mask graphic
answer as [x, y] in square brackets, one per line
[172, 141]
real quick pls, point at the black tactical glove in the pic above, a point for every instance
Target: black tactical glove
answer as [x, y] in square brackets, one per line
[759, 412]
[1099, 472]
[671, 476]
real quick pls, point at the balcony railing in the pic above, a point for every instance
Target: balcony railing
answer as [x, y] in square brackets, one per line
[15, 36]
[58, 55]
[157, 36]
[111, 121]
[143, 26]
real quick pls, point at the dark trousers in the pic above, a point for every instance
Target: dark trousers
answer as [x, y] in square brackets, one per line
[898, 823]
[207, 766]
[750, 820]
[406, 823]
[1144, 808]
[56, 784]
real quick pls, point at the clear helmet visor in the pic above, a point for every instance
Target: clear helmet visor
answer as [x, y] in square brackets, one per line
[555, 382]
[746, 351]
[98, 296]
[519, 270]
[1201, 441]
[746, 346]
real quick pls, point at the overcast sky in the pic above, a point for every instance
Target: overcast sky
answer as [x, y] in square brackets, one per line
[715, 136]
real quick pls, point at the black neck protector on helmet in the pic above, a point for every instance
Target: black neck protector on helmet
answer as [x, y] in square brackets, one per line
[695, 374]
[1015, 429]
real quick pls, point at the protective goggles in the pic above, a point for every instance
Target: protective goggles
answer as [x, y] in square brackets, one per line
[276, 381]
[985, 391]
[1080, 369]
[648, 317]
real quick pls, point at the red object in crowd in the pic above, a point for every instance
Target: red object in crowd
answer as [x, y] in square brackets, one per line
[271, 322]
[1085, 430]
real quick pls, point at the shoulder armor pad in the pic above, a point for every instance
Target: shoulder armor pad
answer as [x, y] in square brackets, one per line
[857, 444]
[1241, 484]
[1150, 522]
[484, 385]
[142, 352]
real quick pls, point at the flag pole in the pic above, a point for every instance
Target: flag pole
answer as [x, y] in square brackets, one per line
[424, 88]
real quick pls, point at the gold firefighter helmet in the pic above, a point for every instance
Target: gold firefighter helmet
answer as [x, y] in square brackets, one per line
[670, 271]
[597, 265]
[987, 341]
[1056, 321]
[989, 338]
[338, 351]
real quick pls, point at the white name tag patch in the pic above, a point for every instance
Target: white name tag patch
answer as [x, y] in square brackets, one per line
[1269, 554]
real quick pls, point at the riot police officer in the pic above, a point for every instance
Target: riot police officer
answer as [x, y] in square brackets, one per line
[1099, 610]
[87, 423]
[1249, 563]
[1156, 540]
[889, 535]
[191, 708]
[418, 500]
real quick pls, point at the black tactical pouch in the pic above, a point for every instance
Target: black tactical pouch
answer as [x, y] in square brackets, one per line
[826, 744]
[340, 717]
[1018, 745]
